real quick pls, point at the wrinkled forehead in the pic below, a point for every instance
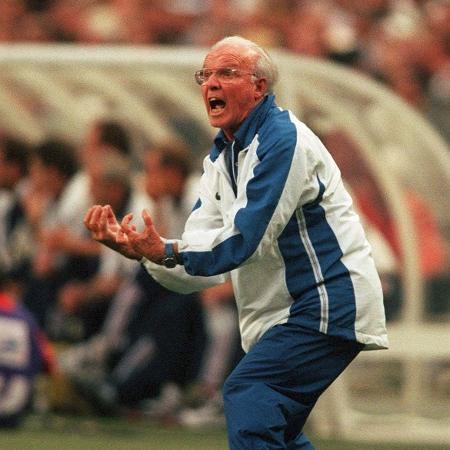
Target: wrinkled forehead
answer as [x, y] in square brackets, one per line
[228, 55]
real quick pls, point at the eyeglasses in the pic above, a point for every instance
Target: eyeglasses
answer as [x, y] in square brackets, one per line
[224, 75]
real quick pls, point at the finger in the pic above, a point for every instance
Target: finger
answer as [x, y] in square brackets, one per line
[125, 223]
[92, 217]
[103, 219]
[88, 216]
[147, 219]
[150, 229]
[121, 237]
[110, 215]
[95, 217]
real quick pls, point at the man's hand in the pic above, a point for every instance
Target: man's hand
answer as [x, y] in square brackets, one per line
[104, 228]
[148, 243]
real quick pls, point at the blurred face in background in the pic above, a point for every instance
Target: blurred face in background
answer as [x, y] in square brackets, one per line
[39, 174]
[107, 191]
[11, 10]
[90, 150]
[109, 180]
[46, 179]
[157, 177]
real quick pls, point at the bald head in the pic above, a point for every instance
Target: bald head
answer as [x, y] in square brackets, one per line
[264, 66]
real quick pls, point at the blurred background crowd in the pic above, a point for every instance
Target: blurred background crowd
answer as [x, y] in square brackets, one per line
[124, 343]
[403, 43]
[120, 337]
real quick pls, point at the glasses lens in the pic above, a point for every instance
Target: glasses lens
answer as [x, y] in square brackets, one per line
[224, 75]
[199, 76]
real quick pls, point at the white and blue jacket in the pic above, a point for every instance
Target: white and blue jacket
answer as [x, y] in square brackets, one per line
[289, 238]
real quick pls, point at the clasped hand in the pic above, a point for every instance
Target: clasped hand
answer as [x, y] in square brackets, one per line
[124, 237]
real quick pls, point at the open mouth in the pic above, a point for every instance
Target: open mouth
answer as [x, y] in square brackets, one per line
[216, 104]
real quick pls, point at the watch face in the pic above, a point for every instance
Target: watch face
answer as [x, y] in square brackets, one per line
[169, 262]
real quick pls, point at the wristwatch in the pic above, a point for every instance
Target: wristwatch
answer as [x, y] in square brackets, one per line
[169, 260]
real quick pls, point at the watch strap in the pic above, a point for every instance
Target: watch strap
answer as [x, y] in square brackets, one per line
[169, 260]
[168, 250]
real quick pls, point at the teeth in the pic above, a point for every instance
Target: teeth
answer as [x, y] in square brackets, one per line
[216, 103]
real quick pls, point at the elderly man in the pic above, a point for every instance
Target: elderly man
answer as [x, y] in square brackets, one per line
[274, 214]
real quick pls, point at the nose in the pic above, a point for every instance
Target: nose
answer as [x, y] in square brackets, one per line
[212, 82]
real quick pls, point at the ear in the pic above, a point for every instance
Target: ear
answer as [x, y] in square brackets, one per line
[260, 88]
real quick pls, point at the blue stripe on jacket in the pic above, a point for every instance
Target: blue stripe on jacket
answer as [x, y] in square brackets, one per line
[339, 312]
[263, 191]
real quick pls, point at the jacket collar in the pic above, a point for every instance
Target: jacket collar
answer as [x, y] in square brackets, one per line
[248, 129]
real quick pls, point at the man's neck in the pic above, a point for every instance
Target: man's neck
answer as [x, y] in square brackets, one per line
[229, 136]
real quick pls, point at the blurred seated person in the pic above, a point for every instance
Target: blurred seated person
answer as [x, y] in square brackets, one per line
[223, 345]
[51, 166]
[86, 300]
[432, 248]
[102, 136]
[24, 353]
[153, 337]
[15, 242]
[204, 402]
[67, 252]
[68, 236]
[161, 342]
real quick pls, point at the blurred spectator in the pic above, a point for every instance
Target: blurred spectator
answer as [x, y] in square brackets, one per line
[24, 353]
[66, 20]
[67, 240]
[306, 37]
[218, 303]
[87, 298]
[151, 336]
[102, 137]
[12, 13]
[70, 254]
[152, 342]
[52, 164]
[15, 253]
[135, 22]
[204, 405]
[403, 44]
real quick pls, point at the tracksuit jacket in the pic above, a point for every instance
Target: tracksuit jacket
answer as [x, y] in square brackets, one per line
[273, 214]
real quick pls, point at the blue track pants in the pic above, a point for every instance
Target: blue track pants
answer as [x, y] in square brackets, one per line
[271, 392]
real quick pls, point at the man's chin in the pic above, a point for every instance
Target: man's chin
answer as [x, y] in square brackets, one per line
[216, 122]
